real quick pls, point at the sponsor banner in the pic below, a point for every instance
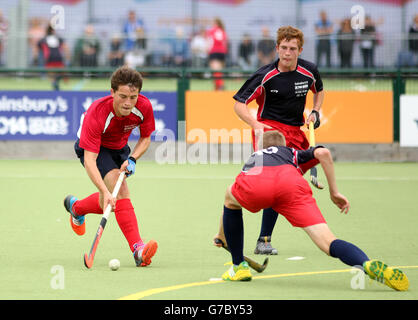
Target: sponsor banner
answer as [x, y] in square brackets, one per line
[355, 117]
[48, 115]
[346, 117]
[164, 105]
[408, 135]
[211, 112]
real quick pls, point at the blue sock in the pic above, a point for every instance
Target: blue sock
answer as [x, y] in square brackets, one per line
[234, 233]
[268, 222]
[347, 253]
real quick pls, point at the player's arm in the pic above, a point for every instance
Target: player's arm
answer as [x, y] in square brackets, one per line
[244, 114]
[248, 92]
[325, 158]
[241, 109]
[95, 176]
[140, 148]
[318, 100]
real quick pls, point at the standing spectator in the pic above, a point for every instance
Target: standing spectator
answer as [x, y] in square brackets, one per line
[4, 26]
[36, 33]
[87, 49]
[246, 53]
[137, 56]
[266, 48]
[199, 48]
[413, 38]
[53, 49]
[368, 42]
[116, 54]
[346, 39]
[131, 32]
[323, 29]
[179, 49]
[54, 52]
[218, 48]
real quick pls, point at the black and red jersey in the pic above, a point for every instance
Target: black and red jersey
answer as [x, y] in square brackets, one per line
[278, 156]
[281, 96]
[51, 47]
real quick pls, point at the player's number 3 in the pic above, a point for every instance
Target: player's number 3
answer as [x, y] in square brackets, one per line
[269, 150]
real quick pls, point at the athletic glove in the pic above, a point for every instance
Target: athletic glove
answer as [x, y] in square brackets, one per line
[317, 122]
[131, 166]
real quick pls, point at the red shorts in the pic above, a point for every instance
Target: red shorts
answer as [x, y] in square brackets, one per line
[281, 188]
[295, 138]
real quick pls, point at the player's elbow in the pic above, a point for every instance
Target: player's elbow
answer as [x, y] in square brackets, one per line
[239, 106]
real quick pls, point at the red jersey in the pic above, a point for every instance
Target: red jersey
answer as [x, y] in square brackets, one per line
[101, 127]
[219, 41]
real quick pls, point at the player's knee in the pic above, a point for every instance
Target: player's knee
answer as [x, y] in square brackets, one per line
[325, 249]
[321, 236]
[123, 191]
[326, 244]
[227, 198]
[230, 201]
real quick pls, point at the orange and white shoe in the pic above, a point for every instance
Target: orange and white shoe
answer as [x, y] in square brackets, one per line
[143, 254]
[77, 222]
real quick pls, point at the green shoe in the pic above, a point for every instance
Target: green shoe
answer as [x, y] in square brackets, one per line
[381, 272]
[238, 273]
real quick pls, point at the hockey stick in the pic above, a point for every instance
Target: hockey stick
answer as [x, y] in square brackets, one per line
[255, 265]
[88, 259]
[313, 171]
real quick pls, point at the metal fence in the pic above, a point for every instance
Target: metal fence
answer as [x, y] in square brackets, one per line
[171, 26]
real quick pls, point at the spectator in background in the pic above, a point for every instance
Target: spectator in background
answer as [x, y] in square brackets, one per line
[137, 56]
[36, 33]
[132, 28]
[87, 49]
[116, 54]
[199, 48]
[179, 49]
[413, 38]
[266, 48]
[323, 29]
[4, 27]
[55, 53]
[345, 40]
[218, 49]
[368, 42]
[246, 53]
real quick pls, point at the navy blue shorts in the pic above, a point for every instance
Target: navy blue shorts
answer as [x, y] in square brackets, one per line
[107, 160]
[217, 56]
